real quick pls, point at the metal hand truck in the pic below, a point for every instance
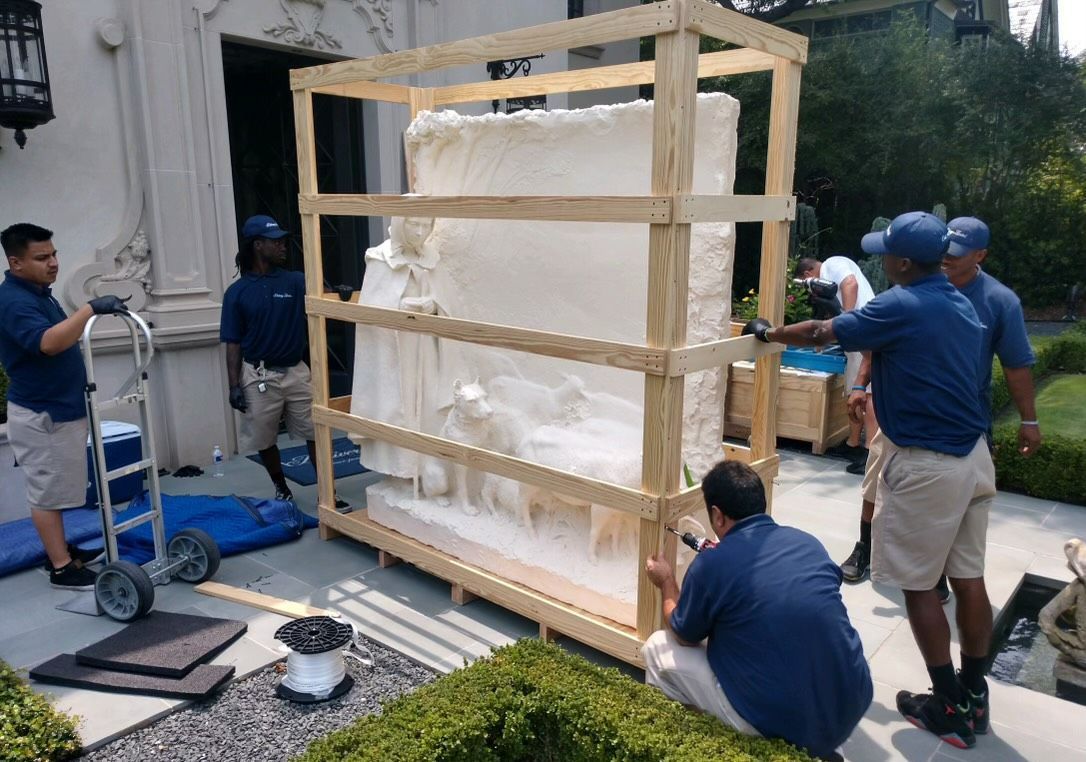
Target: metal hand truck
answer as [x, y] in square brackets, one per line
[124, 590]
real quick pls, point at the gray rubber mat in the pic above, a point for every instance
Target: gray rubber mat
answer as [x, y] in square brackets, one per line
[163, 643]
[65, 670]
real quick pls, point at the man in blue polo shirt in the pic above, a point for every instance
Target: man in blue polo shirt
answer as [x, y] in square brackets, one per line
[47, 417]
[782, 659]
[264, 328]
[937, 482]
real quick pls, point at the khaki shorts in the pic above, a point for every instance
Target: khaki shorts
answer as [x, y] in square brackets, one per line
[875, 462]
[288, 395]
[931, 515]
[53, 457]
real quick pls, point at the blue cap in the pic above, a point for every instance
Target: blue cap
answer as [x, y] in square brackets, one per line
[262, 226]
[967, 234]
[918, 236]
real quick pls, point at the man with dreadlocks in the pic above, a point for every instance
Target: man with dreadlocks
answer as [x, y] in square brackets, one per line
[264, 329]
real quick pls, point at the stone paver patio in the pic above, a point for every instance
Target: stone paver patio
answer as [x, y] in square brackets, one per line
[411, 612]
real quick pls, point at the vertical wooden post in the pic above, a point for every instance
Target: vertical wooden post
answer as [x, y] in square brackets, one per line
[780, 167]
[668, 289]
[314, 286]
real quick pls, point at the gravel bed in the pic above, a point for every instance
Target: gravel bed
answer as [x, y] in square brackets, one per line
[247, 722]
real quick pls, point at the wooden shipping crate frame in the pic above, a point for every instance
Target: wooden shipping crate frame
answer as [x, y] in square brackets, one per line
[669, 212]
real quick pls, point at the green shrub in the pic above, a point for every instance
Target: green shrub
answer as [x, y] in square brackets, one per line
[1057, 471]
[1066, 353]
[30, 728]
[534, 702]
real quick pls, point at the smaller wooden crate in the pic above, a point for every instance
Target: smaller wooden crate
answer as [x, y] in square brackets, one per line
[810, 406]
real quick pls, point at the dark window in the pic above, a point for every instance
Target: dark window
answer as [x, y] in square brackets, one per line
[574, 8]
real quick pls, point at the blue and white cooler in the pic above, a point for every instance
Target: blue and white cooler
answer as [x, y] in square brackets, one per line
[123, 443]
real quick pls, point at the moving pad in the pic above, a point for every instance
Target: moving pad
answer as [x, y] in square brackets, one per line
[65, 670]
[162, 643]
[238, 524]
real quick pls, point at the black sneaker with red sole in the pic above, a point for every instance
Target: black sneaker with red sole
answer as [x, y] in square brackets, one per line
[978, 708]
[951, 722]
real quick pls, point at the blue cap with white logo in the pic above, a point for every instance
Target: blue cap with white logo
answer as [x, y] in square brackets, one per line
[967, 234]
[918, 236]
[262, 226]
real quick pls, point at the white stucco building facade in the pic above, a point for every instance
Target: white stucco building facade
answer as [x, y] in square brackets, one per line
[173, 124]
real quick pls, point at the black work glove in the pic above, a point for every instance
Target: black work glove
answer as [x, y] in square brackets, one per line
[237, 399]
[759, 327]
[345, 292]
[108, 304]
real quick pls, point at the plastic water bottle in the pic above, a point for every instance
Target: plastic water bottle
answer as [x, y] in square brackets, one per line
[216, 457]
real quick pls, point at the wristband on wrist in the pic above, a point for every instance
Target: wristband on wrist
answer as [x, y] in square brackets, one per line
[859, 388]
[1029, 423]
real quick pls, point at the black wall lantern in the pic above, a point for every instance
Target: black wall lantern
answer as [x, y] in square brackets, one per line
[25, 100]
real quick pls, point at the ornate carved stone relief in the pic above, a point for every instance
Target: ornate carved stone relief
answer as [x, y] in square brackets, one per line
[129, 275]
[303, 21]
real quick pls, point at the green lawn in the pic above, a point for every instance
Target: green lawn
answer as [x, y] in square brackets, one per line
[1061, 406]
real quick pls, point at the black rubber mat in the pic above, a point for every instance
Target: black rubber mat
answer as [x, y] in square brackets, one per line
[163, 643]
[65, 670]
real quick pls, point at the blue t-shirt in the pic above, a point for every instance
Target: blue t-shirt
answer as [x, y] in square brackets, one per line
[925, 341]
[1005, 336]
[780, 642]
[265, 314]
[43, 383]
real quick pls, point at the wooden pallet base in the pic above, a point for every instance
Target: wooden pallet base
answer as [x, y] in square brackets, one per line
[553, 615]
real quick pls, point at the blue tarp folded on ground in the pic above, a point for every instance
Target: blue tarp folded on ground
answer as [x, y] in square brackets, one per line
[238, 524]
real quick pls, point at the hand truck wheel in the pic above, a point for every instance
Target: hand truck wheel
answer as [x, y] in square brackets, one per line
[124, 591]
[200, 551]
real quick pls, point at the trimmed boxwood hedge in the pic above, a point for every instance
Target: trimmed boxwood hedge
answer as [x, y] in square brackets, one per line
[30, 728]
[1057, 471]
[531, 701]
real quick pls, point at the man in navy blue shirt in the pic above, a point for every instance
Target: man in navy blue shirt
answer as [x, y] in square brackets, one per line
[47, 417]
[263, 325]
[937, 482]
[782, 659]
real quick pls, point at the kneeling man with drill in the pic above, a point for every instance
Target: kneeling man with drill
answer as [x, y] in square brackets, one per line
[780, 657]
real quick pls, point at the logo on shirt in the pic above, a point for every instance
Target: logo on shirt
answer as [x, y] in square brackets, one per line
[282, 296]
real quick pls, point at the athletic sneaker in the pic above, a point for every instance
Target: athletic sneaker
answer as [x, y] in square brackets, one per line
[950, 721]
[72, 577]
[342, 506]
[943, 588]
[282, 492]
[854, 569]
[857, 467]
[86, 557]
[978, 708]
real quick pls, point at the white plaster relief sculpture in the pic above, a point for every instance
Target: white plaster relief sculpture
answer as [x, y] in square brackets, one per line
[302, 25]
[402, 378]
[587, 279]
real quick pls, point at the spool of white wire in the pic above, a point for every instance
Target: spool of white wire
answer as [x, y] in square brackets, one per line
[315, 658]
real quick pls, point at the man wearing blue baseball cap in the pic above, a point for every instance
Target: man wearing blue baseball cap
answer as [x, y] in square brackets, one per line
[264, 328]
[938, 481]
[1005, 336]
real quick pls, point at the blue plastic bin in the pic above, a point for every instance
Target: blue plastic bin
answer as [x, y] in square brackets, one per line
[123, 443]
[829, 360]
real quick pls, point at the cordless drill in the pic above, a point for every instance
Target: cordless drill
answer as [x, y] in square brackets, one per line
[691, 540]
[823, 296]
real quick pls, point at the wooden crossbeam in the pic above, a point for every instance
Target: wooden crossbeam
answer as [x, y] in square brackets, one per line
[565, 483]
[376, 91]
[717, 354]
[642, 209]
[596, 351]
[727, 208]
[718, 64]
[728, 26]
[596, 29]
